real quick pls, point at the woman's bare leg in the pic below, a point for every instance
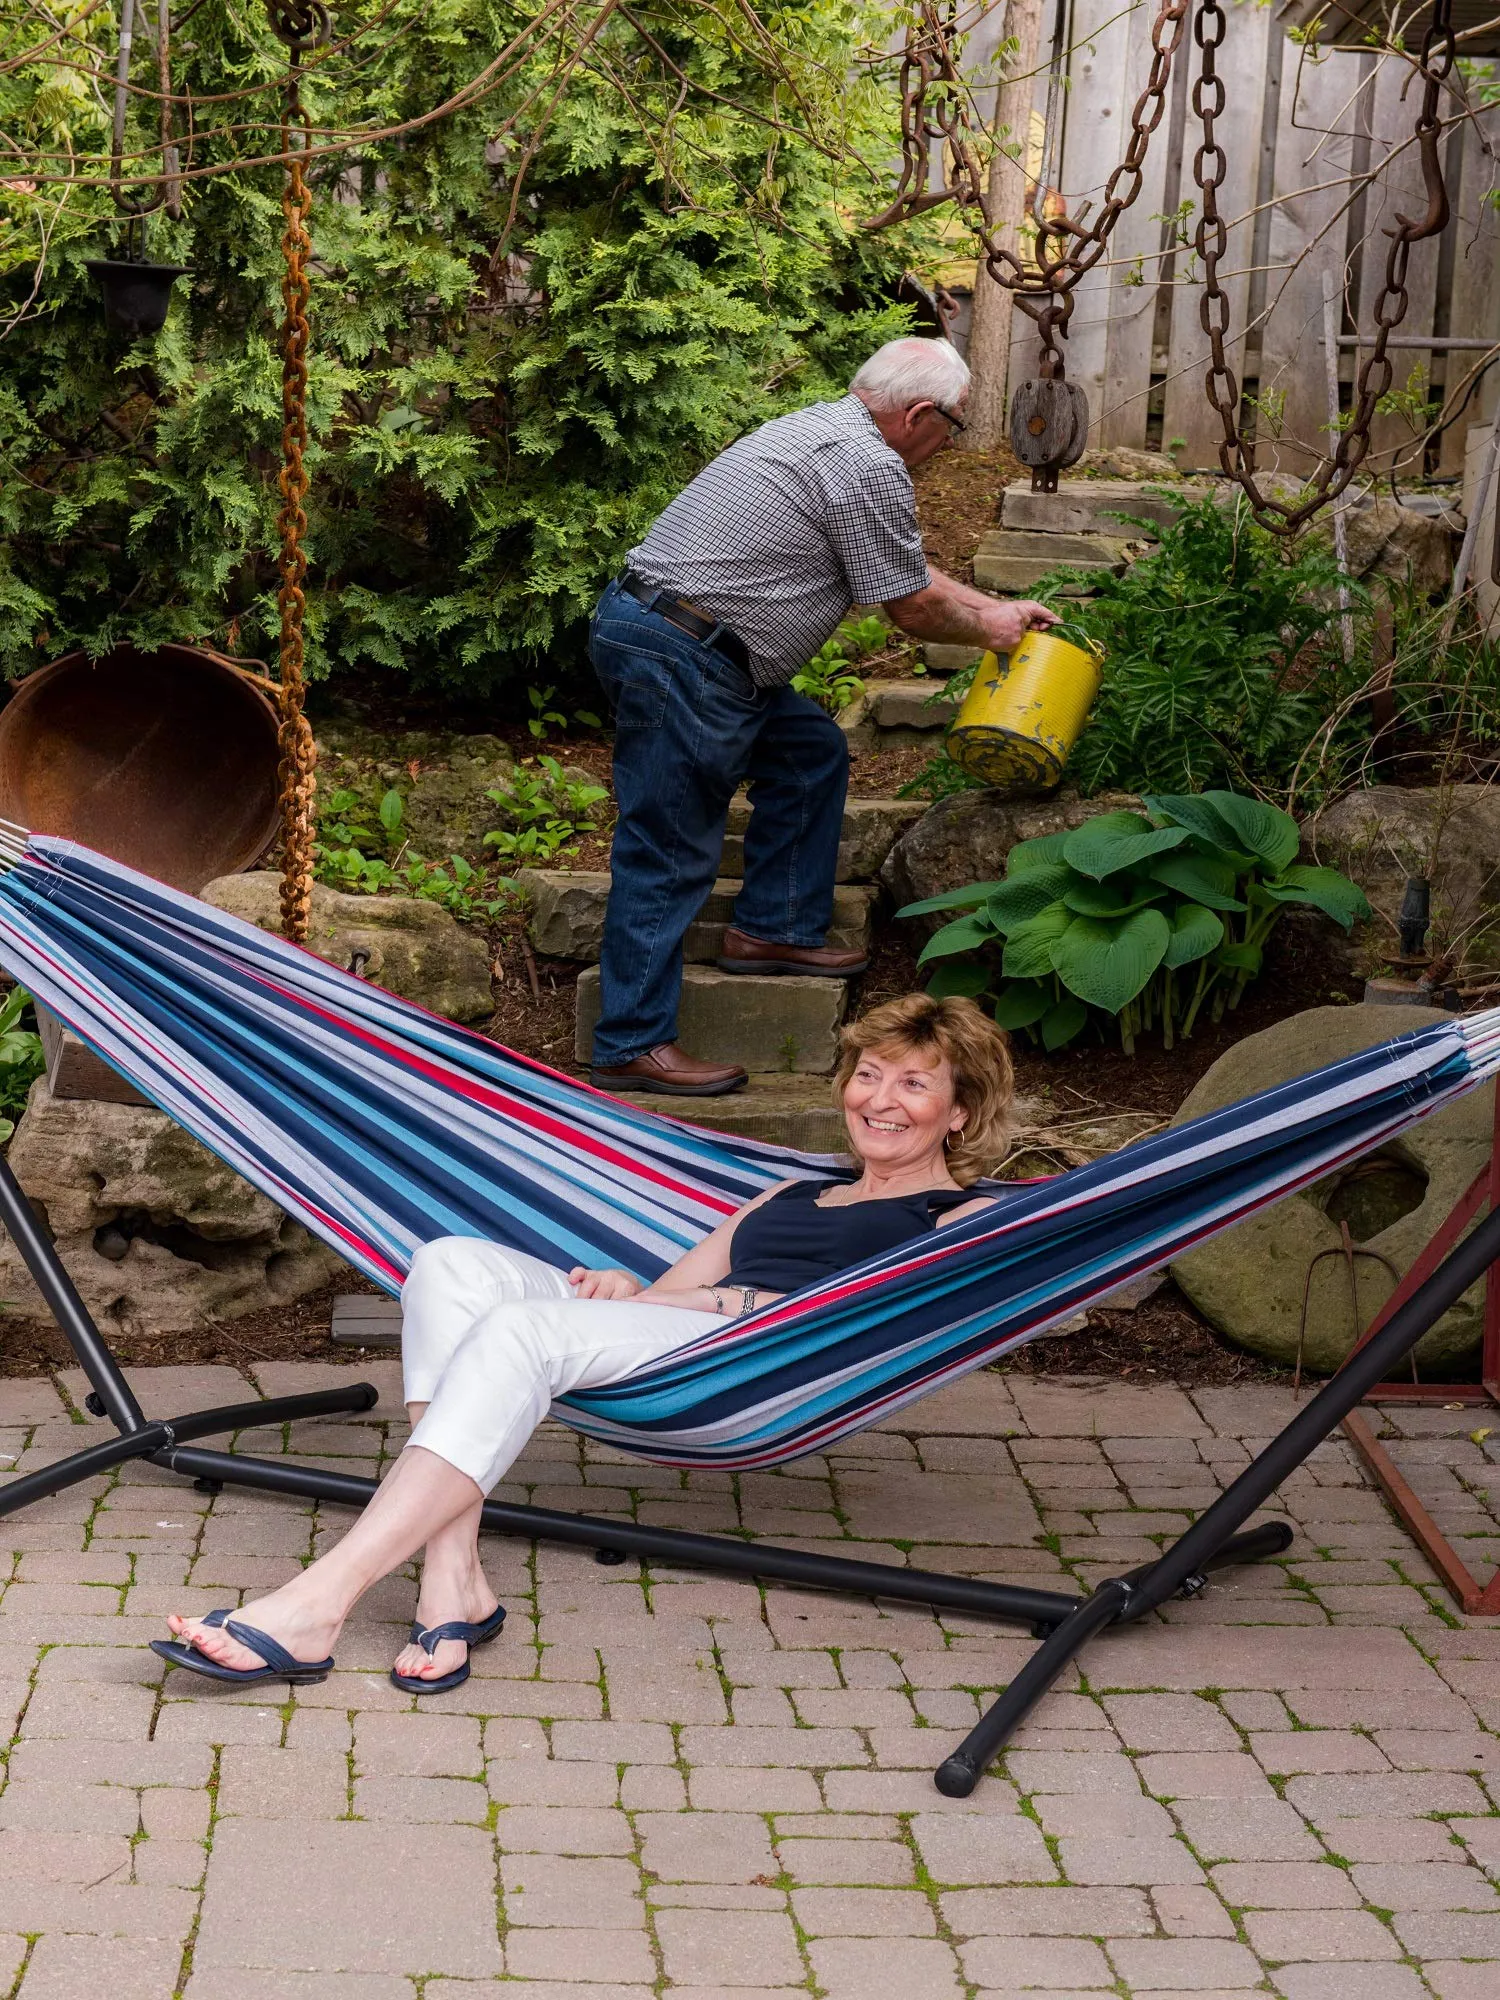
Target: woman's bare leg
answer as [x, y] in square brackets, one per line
[454, 1585]
[418, 1499]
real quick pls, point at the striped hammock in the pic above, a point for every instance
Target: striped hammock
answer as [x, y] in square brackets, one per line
[380, 1126]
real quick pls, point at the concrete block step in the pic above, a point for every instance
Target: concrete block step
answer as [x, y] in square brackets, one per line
[365, 1319]
[73, 1070]
[1009, 559]
[871, 829]
[949, 659]
[567, 915]
[763, 1023]
[1087, 507]
[897, 715]
[779, 1109]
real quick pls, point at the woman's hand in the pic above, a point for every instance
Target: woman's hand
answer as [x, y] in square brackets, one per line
[589, 1284]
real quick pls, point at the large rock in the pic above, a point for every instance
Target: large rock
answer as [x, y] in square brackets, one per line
[1385, 539]
[967, 837]
[1450, 834]
[443, 774]
[157, 1234]
[409, 945]
[567, 916]
[1250, 1281]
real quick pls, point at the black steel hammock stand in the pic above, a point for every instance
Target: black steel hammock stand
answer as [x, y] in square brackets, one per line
[1063, 1623]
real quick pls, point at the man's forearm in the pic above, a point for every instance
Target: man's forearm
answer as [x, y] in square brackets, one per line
[953, 613]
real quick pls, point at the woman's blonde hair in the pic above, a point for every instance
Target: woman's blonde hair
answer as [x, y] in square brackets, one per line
[975, 1050]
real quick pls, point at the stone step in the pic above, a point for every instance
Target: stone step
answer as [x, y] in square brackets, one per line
[949, 659]
[567, 915]
[782, 1110]
[1011, 559]
[871, 829]
[762, 1022]
[1087, 507]
[897, 715]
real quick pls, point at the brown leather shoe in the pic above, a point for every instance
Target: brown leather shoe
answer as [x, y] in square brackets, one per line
[673, 1073]
[819, 961]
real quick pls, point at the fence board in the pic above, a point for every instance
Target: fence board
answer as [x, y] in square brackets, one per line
[1399, 190]
[1187, 412]
[1474, 304]
[1129, 336]
[1094, 137]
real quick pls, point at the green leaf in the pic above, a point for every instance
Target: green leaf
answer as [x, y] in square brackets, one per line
[1270, 834]
[1194, 811]
[1113, 898]
[1108, 964]
[1203, 877]
[1023, 1002]
[958, 979]
[967, 898]
[1028, 855]
[1195, 933]
[1014, 902]
[1334, 894]
[391, 810]
[1028, 949]
[1239, 958]
[1064, 1022]
[965, 934]
[1099, 849]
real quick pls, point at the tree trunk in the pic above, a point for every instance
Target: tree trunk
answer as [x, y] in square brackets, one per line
[990, 329]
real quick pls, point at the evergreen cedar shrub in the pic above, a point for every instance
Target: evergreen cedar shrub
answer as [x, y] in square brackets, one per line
[489, 436]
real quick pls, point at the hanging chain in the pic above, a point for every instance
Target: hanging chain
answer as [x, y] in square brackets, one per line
[935, 117]
[300, 26]
[1236, 451]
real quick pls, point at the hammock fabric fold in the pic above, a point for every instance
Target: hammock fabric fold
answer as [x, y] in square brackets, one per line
[380, 1126]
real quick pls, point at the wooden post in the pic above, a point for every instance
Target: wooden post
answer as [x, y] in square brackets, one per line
[1005, 201]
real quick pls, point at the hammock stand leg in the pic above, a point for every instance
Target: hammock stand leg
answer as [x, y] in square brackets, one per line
[1215, 1536]
[111, 1395]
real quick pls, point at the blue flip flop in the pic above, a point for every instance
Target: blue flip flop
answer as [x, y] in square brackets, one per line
[429, 1638]
[279, 1664]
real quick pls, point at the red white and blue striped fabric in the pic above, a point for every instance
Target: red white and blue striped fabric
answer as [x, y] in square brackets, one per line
[381, 1126]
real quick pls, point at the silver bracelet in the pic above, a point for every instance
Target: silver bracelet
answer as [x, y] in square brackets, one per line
[747, 1300]
[713, 1293]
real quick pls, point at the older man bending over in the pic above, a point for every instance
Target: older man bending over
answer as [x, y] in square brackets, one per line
[738, 584]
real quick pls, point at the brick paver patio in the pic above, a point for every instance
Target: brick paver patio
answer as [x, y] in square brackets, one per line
[671, 1783]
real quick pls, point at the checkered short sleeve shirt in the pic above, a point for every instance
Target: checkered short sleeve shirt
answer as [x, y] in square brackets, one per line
[787, 530]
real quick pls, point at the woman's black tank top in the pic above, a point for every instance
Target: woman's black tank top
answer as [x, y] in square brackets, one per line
[790, 1241]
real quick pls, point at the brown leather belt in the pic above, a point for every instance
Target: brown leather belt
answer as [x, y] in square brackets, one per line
[690, 618]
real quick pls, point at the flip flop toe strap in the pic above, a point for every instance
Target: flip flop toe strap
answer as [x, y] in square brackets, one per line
[455, 1628]
[276, 1656]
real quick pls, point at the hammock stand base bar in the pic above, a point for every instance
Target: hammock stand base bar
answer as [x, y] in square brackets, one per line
[1065, 1624]
[1474, 1598]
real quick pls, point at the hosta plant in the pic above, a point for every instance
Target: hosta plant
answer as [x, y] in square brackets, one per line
[1143, 919]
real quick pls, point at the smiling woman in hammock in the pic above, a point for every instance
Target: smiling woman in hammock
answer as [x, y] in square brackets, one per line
[491, 1337]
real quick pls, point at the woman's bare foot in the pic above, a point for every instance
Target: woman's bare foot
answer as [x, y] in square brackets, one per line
[307, 1630]
[446, 1594]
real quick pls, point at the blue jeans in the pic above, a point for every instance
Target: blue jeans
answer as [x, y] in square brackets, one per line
[690, 728]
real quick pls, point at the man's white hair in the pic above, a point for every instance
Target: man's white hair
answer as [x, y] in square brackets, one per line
[910, 371]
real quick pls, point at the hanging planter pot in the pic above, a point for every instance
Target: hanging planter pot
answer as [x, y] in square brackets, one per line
[136, 296]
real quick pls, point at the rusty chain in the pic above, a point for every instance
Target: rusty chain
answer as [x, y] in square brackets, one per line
[1236, 451]
[301, 24]
[934, 113]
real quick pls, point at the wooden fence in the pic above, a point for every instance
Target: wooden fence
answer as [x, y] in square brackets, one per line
[1302, 128]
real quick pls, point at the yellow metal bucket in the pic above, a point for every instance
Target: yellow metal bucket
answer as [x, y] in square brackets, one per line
[1024, 713]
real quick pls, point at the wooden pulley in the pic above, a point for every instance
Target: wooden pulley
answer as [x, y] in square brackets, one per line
[1049, 427]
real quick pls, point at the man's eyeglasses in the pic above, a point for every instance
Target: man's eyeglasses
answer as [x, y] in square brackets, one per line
[959, 426]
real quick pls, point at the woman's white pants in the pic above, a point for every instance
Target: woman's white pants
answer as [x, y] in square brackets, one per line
[489, 1337]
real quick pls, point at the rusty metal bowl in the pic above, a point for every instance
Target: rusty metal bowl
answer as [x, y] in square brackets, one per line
[166, 761]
